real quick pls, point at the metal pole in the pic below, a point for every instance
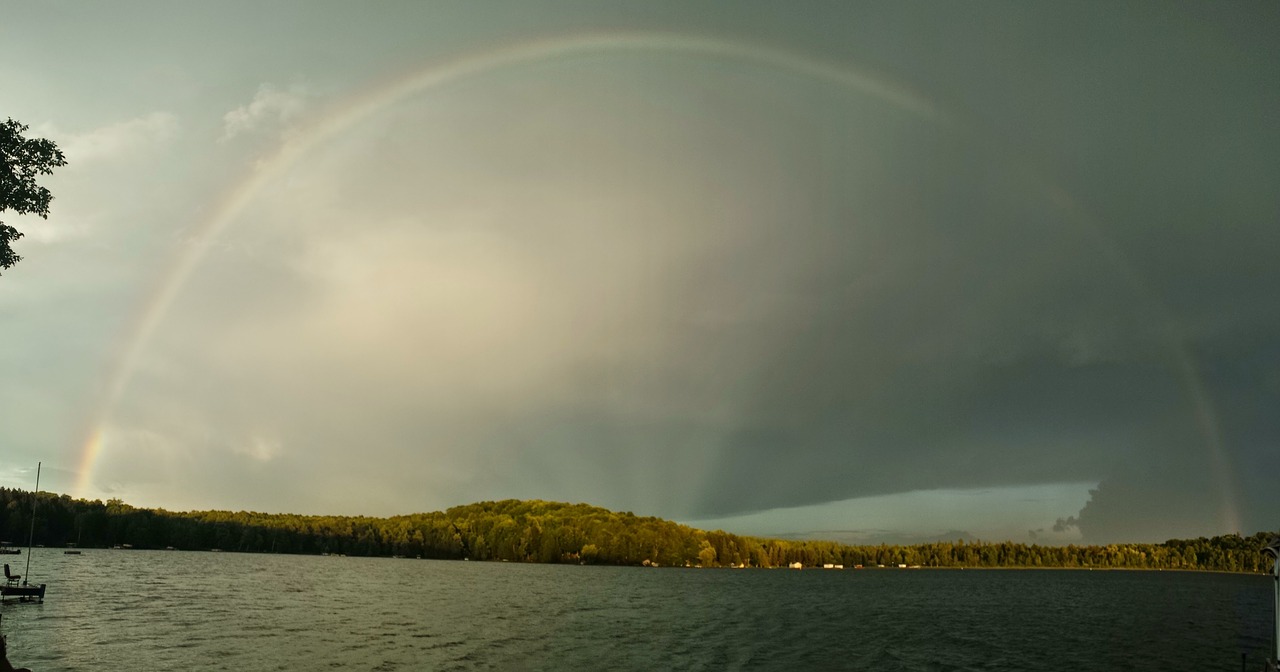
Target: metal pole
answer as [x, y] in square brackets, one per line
[26, 574]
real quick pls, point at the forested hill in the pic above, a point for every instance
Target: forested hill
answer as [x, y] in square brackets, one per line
[537, 531]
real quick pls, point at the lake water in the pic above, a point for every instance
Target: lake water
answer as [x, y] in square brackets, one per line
[157, 610]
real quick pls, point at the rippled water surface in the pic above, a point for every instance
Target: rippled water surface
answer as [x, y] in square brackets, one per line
[157, 610]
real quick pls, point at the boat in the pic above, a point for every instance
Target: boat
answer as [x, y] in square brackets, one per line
[14, 584]
[6, 548]
[23, 591]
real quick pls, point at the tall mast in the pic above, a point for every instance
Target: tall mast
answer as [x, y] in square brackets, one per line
[31, 535]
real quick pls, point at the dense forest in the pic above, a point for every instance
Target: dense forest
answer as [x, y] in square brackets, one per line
[538, 531]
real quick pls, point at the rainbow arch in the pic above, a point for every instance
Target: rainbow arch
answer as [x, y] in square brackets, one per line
[368, 102]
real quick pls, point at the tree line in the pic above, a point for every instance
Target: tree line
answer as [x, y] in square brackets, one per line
[555, 532]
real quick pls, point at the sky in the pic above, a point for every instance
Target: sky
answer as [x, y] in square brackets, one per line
[875, 272]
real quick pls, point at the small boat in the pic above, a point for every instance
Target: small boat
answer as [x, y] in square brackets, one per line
[14, 585]
[22, 591]
[7, 548]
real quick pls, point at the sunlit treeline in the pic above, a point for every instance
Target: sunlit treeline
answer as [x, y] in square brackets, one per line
[538, 531]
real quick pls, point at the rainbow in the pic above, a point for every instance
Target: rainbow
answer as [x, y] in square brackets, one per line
[438, 74]
[369, 102]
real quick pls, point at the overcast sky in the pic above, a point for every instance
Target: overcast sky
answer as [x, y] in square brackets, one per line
[868, 271]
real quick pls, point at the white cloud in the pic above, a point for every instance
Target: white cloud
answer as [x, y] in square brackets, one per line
[113, 140]
[259, 447]
[270, 106]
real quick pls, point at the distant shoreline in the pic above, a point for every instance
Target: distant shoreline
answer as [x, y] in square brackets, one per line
[812, 568]
[535, 531]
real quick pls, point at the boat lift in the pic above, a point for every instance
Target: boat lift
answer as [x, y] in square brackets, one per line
[1273, 549]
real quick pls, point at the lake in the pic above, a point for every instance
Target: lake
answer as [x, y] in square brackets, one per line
[174, 610]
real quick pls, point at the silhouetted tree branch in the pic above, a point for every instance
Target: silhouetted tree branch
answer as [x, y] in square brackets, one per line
[21, 161]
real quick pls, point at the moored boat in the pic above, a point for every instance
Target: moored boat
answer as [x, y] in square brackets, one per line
[14, 587]
[23, 592]
[14, 584]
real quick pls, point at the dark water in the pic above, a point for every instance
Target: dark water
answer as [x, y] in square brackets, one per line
[156, 610]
